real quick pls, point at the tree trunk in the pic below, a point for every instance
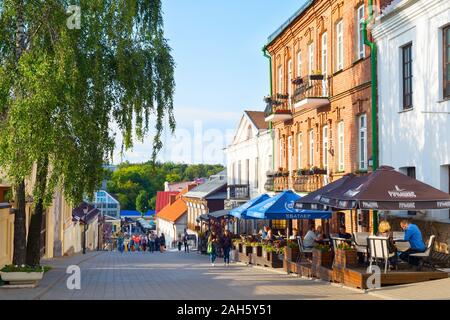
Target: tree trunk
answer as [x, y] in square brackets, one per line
[34, 232]
[20, 232]
[19, 255]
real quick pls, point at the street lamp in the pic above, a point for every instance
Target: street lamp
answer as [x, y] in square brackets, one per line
[85, 210]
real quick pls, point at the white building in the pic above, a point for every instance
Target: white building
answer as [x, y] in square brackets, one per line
[413, 39]
[249, 157]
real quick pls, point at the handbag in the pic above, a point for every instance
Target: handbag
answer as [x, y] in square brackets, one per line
[210, 248]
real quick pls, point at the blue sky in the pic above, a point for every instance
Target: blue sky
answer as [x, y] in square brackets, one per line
[220, 71]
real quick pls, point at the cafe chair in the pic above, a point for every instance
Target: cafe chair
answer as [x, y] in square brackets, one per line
[379, 250]
[359, 240]
[303, 251]
[427, 254]
[335, 242]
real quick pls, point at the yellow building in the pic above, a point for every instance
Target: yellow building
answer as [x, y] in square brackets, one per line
[6, 228]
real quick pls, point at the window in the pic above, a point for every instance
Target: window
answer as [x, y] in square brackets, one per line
[324, 54]
[280, 79]
[299, 64]
[311, 147]
[446, 64]
[281, 154]
[359, 24]
[256, 172]
[299, 150]
[289, 80]
[247, 171]
[340, 46]
[363, 142]
[239, 172]
[407, 76]
[341, 146]
[278, 224]
[325, 146]
[249, 132]
[411, 172]
[311, 58]
[269, 162]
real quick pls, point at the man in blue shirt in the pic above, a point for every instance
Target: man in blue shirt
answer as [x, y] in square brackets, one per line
[414, 237]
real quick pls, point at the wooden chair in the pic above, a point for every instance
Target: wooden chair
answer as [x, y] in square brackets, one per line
[302, 249]
[379, 250]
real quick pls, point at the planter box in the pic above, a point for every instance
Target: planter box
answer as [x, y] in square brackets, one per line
[345, 258]
[21, 277]
[291, 254]
[316, 77]
[273, 259]
[321, 258]
[257, 251]
[247, 250]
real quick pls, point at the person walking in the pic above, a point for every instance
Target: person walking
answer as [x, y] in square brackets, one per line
[179, 243]
[151, 241]
[162, 243]
[212, 247]
[226, 246]
[186, 241]
[120, 243]
[144, 243]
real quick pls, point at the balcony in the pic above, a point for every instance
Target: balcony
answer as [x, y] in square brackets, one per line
[309, 182]
[281, 180]
[278, 108]
[311, 92]
[239, 192]
[269, 186]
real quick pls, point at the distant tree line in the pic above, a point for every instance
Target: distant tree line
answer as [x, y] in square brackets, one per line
[135, 185]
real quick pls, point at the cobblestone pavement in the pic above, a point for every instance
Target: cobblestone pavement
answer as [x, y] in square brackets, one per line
[173, 275]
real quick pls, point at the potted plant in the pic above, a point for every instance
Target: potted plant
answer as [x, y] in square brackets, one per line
[282, 96]
[291, 251]
[322, 255]
[257, 249]
[20, 275]
[297, 81]
[273, 256]
[316, 75]
[345, 255]
[285, 173]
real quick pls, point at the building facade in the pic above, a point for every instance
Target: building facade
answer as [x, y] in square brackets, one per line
[320, 105]
[249, 157]
[413, 40]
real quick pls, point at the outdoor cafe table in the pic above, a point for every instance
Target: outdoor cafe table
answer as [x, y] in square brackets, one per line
[401, 244]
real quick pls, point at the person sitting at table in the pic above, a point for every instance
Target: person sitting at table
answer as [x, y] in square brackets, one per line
[312, 237]
[294, 234]
[414, 237]
[263, 232]
[270, 236]
[343, 233]
[384, 230]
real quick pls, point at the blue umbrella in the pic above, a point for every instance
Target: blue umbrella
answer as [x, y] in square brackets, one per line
[282, 207]
[241, 211]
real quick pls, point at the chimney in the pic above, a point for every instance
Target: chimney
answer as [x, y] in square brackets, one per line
[172, 198]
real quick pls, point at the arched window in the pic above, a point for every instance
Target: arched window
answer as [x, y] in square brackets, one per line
[249, 132]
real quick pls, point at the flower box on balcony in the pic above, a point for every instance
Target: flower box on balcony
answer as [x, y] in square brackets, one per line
[297, 81]
[282, 96]
[315, 170]
[316, 76]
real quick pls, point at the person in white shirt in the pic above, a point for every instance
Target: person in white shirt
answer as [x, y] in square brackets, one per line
[294, 234]
[309, 239]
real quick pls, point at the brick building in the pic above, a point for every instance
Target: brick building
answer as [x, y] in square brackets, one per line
[320, 107]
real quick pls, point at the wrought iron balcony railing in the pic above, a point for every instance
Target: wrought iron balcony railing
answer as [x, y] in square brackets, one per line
[310, 87]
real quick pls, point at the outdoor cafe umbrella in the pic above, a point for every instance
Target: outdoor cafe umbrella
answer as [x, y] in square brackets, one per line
[241, 211]
[311, 200]
[386, 189]
[282, 207]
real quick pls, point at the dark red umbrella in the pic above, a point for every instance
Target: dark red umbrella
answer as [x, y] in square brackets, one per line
[386, 189]
[311, 200]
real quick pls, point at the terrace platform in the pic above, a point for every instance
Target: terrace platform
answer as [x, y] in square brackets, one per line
[357, 277]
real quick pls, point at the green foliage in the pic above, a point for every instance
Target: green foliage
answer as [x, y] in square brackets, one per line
[24, 268]
[322, 247]
[344, 246]
[130, 179]
[142, 202]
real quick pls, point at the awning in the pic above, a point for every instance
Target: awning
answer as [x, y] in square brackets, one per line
[219, 214]
[311, 200]
[241, 211]
[202, 217]
[281, 206]
[386, 189]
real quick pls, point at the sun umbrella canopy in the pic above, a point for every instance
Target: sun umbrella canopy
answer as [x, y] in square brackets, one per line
[386, 189]
[311, 200]
[281, 206]
[219, 214]
[241, 211]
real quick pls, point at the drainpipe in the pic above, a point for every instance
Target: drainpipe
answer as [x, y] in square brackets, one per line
[373, 67]
[264, 51]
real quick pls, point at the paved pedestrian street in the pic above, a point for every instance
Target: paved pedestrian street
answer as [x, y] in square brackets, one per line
[173, 275]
